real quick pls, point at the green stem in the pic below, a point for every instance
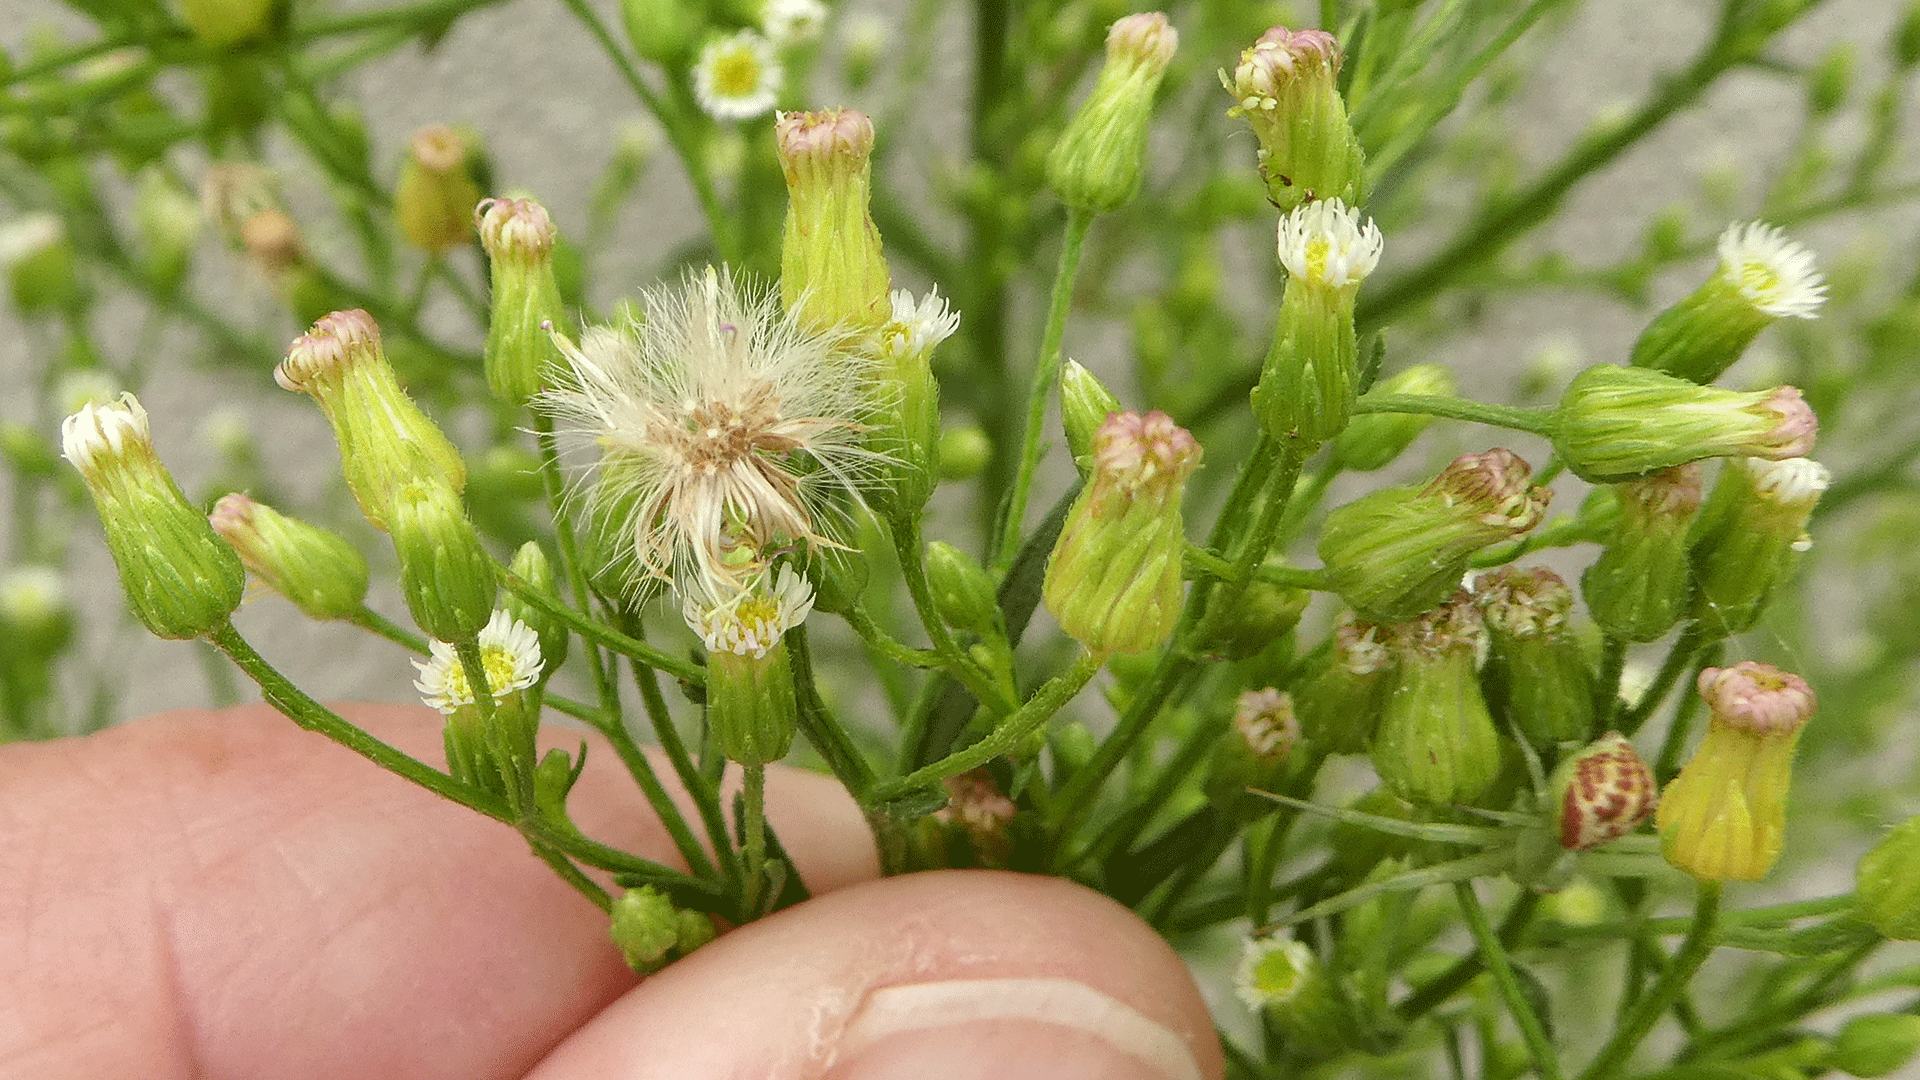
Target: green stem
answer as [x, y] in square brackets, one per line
[632, 648]
[1199, 561]
[913, 568]
[374, 622]
[705, 793]
[753, 803]
[1046, 373]
[421, 15]
[1532, 1031]
[1672, 982]
[1676, 662]
[885, 644]
[555, 484]
[1606, 687]
[1450, 982]
[825, 733]
[1537, 421]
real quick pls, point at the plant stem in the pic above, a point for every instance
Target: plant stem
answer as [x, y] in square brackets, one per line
[1672, 982]
[825, 733]
[1606, 687]
[632, 648]
[1532, 1031]
[1677, 660]
[1537, 421]
[753, 830]
[1450, 982]
[913, 568]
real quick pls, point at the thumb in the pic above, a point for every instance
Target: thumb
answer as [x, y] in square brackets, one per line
[937, 976]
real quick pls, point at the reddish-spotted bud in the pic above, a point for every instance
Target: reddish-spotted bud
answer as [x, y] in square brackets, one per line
[1602, 793]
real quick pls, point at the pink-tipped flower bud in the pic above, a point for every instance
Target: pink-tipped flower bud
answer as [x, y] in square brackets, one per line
[318, 570]
[519, 238]
[1340, 703]
[1285, 88]
[832, 269]
[1640, 586]
[1095, 166]
[1437, 743]
[1617, 423]
[435, 197]
[1253, 754]
[1750, 537]
[1536, 674]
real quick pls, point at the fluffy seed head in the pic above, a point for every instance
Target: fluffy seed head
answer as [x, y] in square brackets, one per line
[1776, 275]
[1326, 243]
[509, 653]
[737, 77]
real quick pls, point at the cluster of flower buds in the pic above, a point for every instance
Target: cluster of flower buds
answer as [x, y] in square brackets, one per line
[1285, 88]
[1312, 371]
[1096, 164]
[651, 932]
[1536, 675]
[1640, 586]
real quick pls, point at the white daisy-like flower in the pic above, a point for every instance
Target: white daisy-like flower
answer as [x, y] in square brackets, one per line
[1326, 243]
[750, 622]
[1775, 274]
[737, 77]
[1272, 970]
[918, 326]
[724, 428]
[793, 22]
[509, 653]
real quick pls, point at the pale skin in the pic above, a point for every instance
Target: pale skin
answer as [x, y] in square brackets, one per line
[218, 894]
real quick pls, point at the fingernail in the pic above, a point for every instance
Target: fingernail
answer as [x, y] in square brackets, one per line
[1006, 1029]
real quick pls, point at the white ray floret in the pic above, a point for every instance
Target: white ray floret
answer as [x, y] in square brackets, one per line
[1327, 243]
[751, 622]
[509, 654]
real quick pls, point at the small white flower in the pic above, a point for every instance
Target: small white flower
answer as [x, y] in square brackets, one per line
[1776, 275]
[750, 622]
[509, 653]
[737, 77]
[1793, 482]
[24, 237]
[1264, 718]
[1272, 970]
[724, 427]
[1326, 243]
[793, 22]
[104, 430]
[918, 326]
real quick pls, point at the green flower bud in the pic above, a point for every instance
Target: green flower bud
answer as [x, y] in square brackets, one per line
[1640, 586]
[1252, 754]
[1265, 612]
[1113, 580]
[963, 594]
[964, 453]
[1617, 423]
[1750, 536]
[1763, 276]
[1283, 979]
[751, 707]
[1601, 794]
[272, 241]
[1536, 675]
[1284, 87]
[1905, 45]
[1340, 704]
[1398, 552]
[225, 23]
[651, 932]
[907, 429]
[1436, 743]
[1724, 817]
[437, 192]
[1084, 405]
[832, 269]
[531, 566]
[385, 440]
[166, 218]
[181, 580]
[664, 31]
[519, 237]
[36, 614]
[1311, 376]
[40, 265]
[1887, 883]
[445, 574]
[318, 570]
[1877, 1044]
[1374, 440]
[1095, 165]
[1830, 80]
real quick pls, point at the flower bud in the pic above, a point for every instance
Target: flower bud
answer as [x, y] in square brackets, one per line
[36, 614]
[1113, 580]
[907, 429]
[181, 580]
[41, 269]
[1265, 612]
[1724, 817]
[1763, 276]
[1398, 552]
[1095, 166]
[1750, 536]
[445, 574]
[1340, 705]
[318, 570]
[1640, 585]
[832, 270]
[1284, 87]
[385, 440]
[1282, 979]
[964, 452]
[963, 594]
[1617, 423]
[651, 932]
[1374, 440]
[167, 220]
[1252, 754]
[1311, 376]
[272, 241]
[1905, 46]
[974, 828]
[222, 24]
[531, 566]
[437, 192]
[519, 237]
[1887, 883]
[751, 707]
[1877, 1044]
[1536, 674]
[663, 31]
[1085, 404]
[1601, 794]
[1436, 742]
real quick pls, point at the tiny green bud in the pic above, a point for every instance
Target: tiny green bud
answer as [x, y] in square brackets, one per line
[1284, 87]
[437, 192]
[1436, 742]
[832, 269]
[181, 580]
[1536, 675]
[1887, 883]
[1398, 552]
[1830, 80]
[1877, 1044]
[965, 451]
[1096, 164]
[1312, 372]
[224, 23]
[1750, 536]
[907, 430]
[1616, 423]
[531, 566]
[1724, 817]
[1252, 755]
[41, 268]
[1265, 612]
[1085, 404]
[664, 31]
[1375, 440]
[963, 594]
[1640, 586]
[1762, 277]
[1113, 580]
[318, 570]
[751, 703]
[36, 614]
[518, 237]
[445, 574]
[1601, 794]
[167, 220]
[1340, 704]
[385, 440]
[651, 931]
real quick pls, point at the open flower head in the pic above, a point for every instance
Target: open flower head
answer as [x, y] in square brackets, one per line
[793, 22]
[1326, 243]
[750, 622]
[724, 430]
[737, 77]
[509, 652]
[917, 325]
[1773, 273]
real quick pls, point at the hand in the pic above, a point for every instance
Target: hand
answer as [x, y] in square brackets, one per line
[219, 894]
